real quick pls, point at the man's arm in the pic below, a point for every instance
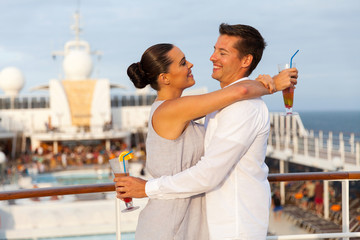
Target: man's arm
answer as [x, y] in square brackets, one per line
[238, 125]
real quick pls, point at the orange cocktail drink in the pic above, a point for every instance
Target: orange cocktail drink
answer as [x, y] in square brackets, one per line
[120, 168]
[288, 95]
[126, 200]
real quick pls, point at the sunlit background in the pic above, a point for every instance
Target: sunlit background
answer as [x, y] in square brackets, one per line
[326, 32]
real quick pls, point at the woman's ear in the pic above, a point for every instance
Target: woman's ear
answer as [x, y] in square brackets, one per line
[163, 79]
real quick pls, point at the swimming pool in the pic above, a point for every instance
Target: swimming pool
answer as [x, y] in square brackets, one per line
[67, 178]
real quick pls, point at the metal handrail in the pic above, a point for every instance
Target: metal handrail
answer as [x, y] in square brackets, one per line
[108, 187]
[57, 191]
[348, 175]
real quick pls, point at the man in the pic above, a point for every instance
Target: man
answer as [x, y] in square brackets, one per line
[232, 171]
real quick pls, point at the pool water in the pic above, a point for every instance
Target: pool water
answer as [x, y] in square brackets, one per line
[65, 179]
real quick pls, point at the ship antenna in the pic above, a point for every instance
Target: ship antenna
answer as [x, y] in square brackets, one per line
[76, 27]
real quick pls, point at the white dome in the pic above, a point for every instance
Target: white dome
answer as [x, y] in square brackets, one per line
[11, 81]
[77, 65]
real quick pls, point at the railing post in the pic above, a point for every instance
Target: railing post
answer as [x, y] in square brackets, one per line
[352, 142]
[276, 123]
[317, 148]
[306, 147]
[330, 137]
[270, 142]
[342, 151]
[311, 133]
[277, 131]
[341, 141]
[288, 123]
[296, 144]
[358, 154]
[342, 147]
[118, 230]
[294, 126]
[282, 183]
[287, 140]
[287, 132]
[345, 207]
[321, 139]
[277, 141]
[326, 200]
[282, 128]
[329, 146]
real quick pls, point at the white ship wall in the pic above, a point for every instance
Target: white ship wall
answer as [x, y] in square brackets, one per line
[26, 120]
[116, 118]
[134, 118]
[59, 104]
[101, 109]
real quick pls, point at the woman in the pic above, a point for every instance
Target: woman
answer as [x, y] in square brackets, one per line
[174, 141]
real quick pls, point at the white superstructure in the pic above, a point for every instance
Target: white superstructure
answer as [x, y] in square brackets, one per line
[76, 107]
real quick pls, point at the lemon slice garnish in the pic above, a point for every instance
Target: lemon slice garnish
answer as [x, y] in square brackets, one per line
[127, 157]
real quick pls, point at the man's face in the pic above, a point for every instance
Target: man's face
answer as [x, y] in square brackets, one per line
[226, 63]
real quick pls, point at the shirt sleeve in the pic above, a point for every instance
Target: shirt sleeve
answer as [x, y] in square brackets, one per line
[238, 126]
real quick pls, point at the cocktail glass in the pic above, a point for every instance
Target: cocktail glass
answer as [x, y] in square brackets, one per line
[288, 93]
[120, 167]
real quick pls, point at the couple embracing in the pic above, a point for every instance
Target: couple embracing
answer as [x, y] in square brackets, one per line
[209, 181]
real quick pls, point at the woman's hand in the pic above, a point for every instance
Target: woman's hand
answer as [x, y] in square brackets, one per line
[130, 187]
[268, 82]
[286, 78]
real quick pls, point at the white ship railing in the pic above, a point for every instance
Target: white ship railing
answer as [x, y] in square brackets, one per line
[345, 234]
[290, 141]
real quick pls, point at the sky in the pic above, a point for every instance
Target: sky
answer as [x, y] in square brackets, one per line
[326, 32]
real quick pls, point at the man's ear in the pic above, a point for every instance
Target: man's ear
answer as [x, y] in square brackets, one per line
[247, 60]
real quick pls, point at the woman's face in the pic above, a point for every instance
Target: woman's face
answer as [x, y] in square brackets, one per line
[180, 75]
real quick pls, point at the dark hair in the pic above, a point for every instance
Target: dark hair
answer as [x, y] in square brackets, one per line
[154, 61]
[250, 41]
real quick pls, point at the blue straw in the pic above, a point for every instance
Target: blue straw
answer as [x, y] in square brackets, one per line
[124, 160]
[293, 57]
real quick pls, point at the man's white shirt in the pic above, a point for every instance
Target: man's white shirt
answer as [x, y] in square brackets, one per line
[232, 172]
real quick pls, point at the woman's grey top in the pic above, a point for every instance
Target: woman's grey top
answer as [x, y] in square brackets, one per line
[176, 219]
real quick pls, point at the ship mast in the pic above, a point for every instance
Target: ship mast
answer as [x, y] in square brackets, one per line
[77, 63]
[76, 27]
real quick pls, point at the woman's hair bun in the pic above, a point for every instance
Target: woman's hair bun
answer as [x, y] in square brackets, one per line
[137, 75]
[154, 61]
